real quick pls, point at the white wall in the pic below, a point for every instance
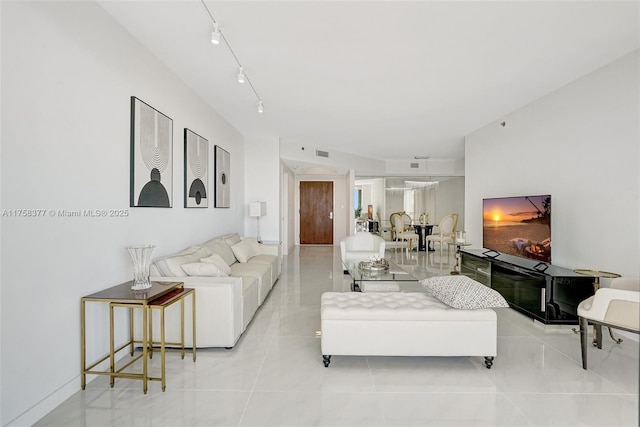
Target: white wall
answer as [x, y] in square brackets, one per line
[262, 182]
[431, 167]
[300, 152]
[288, 195]
[579, 144]
[68, 71]
[450, 199]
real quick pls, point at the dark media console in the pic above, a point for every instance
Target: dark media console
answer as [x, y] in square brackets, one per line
[550, 295]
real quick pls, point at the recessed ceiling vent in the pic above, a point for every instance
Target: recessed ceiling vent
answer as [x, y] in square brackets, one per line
[322, 153]
[415, 165]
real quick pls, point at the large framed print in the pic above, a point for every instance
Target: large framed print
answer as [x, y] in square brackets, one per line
[151, 183]
[223, 172]
[196, 170]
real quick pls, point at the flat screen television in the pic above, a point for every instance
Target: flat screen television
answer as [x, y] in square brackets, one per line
[518, 226]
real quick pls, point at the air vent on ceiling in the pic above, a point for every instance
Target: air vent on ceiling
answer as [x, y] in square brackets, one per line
[322, 153]
[414, 166]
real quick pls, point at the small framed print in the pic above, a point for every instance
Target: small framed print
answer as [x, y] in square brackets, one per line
[196, 170]
[223, 171]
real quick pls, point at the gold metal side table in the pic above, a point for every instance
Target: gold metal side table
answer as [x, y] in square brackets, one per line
[122, 295]
[161, 304]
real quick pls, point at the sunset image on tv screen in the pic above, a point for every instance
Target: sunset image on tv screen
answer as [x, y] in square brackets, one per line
[518, 226]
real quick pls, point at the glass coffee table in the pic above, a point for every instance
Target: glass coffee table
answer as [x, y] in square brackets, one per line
[396, 279]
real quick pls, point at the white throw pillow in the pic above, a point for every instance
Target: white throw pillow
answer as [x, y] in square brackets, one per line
[246, 249]
[171, 265]
[463, 292]
[202, 269]
[217, 260]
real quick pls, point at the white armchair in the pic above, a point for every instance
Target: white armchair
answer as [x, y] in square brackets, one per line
[362, 246]
[614, 307]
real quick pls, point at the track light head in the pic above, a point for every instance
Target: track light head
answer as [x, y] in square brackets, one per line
[215, 35]
[241, 75]
[260, 107]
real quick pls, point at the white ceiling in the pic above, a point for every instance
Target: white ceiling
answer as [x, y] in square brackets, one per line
[390, 79]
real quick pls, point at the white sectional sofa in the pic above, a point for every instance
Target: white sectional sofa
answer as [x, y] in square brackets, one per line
[232, 277]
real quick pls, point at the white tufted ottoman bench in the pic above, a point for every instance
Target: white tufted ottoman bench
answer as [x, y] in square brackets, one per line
[403, 324]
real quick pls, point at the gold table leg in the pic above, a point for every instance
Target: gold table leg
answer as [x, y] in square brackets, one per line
[145, 344]
[131, 349]
[163, 351]
[83, 345]
[112, 357]
[193, 320]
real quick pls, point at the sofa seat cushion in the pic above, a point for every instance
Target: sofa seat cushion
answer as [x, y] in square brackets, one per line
[248, 282]
[260, 271]
[393, 306]
[222, 248]
[270, 260]
[170, 266]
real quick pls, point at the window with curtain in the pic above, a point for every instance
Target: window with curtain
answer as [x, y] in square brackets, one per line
[409, 202]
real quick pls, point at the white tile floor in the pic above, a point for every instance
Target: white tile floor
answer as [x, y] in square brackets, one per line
[275, 376]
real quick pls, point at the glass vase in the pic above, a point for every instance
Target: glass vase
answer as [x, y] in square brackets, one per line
[141, 259]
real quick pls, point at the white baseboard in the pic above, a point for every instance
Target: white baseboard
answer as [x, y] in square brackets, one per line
[46, 405]
[55, 399]
[551, 328]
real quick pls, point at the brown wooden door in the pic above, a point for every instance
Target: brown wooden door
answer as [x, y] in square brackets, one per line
[316, 212]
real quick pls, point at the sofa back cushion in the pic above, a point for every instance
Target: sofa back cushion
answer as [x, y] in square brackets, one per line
[246, 249]
[170, 265]
[222, 248]
[232, 238]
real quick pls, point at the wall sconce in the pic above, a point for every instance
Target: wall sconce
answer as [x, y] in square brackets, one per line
[256, 210]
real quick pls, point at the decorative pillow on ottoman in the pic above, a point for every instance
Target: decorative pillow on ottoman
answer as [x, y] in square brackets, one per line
[463, 293]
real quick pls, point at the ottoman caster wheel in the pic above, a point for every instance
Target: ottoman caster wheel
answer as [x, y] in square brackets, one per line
[488, 361]
[326, 360]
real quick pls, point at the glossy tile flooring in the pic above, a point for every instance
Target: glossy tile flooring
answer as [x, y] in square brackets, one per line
[274, 376]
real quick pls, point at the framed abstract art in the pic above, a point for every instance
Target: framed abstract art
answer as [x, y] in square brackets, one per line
[151, 183]
[196, 170]
[223, 171]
